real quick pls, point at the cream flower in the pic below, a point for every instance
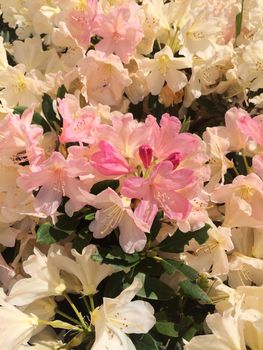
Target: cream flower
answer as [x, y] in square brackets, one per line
[88, 272]
[227, 334]
[104, 78]
[120, 316]
[44, 281]
[165, 68]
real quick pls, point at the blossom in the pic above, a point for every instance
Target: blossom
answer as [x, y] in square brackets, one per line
[165, 189]
[80, 20]
[243, 201]
[115, 211]
[120, 30]
[45, 280]
[104, 78]
[57, 177]
[165, 68]
[16, 327]
[212, 253]
[77, 122]
[88, 272]
[227, 334]
[120, 316]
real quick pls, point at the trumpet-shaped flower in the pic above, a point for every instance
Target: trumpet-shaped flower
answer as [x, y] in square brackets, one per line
[120, 316]
[120, 30]
[16, 327]
[164, 67]
[104, 78]
[89, 272]
[243, 201]
[80, 20]
[57, 177]
[165, 189]
[44, 281]
[113, 212]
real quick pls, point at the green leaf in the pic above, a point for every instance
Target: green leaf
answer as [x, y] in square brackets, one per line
[145, 342]
[116, 256]
[61, 91]
[49, 113]
[186, 124]
[103, 185]
[82, 239]
[67, 224]
[166, 328]
[194, 291]
[153, 288]
[90, 217]
[43, 234]
[239, 18]
[156, 225]
[171, 266]
[37, 118]
[176, 243]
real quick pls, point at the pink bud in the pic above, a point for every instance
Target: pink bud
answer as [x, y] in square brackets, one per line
[146, 154]
[175, 158]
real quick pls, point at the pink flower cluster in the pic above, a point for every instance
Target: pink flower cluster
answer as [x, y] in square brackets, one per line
[157, 168]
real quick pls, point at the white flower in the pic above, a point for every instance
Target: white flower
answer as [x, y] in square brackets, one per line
[227, 334]
[165, 68]
[89, 272]
[16, 327]
[118, 316]
[104, 78]
[44, 281]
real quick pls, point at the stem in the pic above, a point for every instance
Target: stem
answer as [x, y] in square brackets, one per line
[245, 162]
[82, 321]
[91, 300]
[235, 170]
[67, 316]
[60, 324]
[86, 303]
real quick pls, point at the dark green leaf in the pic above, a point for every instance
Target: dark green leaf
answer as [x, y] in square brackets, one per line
[156, 225]
[116, 256]
[43, 234]
[176, 243]
[103, 185]
[171, 266]
[145, 342]
[153, 288]
[193, 291]
[49, 113]
[82, 239]
[66, 223]
[166, 328]
[61, 91]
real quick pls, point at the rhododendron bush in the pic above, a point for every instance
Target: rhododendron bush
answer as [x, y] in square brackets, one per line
[131, 174]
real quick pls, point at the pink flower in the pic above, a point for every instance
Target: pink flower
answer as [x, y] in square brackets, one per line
[108, 161]
[121, 31]
[113, 212]
[19, 139]
[80, 21]
[77, 122]
[252, 128]
[165, 189]
[57, 177]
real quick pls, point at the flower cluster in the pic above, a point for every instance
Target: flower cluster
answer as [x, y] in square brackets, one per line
[109, 193]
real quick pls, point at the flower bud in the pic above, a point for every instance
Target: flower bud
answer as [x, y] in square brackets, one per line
[146, 154]
[175, 158]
